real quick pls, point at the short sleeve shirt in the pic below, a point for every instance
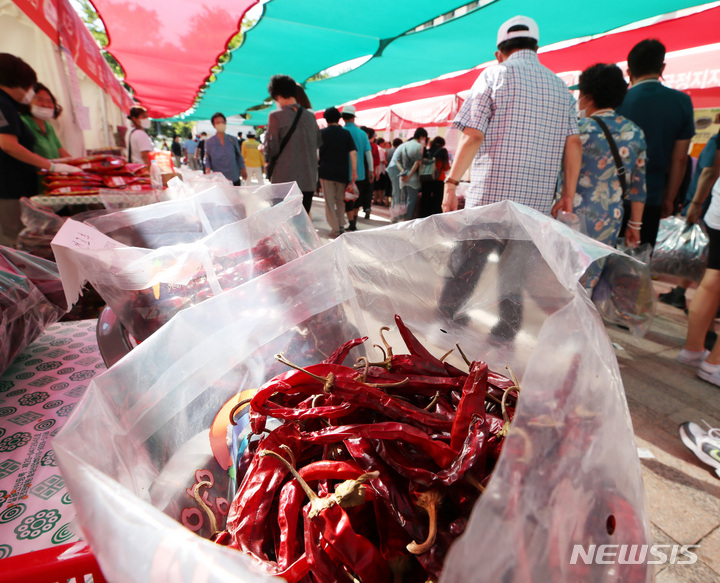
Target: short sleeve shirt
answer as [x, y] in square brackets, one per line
[362, 144]
[47, 143]
[665, 116]
[140, 142]
[525, 112]
[337, 143]
[17, 179]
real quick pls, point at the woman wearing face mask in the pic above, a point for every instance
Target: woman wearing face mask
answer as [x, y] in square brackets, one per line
[18, 162]
[222, 153]
[139, 143]
[600, 192]
[44, 108]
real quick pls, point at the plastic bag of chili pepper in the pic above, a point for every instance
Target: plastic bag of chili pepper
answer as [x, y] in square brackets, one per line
[567, 475]
[149, 263]
[31, 299]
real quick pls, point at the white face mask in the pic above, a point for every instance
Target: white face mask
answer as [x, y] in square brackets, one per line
[42, 112]
[28, 97]
[146, 123]
[220, 128]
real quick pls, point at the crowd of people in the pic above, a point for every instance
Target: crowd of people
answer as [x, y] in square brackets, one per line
[615, 158]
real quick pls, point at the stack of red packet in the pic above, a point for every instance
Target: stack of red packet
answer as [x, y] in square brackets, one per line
[97, 172]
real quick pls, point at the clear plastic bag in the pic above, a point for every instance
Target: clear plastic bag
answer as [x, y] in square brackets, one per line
[140, 439]
[31, 298]
[681, 249]
[41, 224]
[624, 294]
[151, 262]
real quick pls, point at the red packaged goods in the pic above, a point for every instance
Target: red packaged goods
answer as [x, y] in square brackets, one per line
[118, 181]
[99, 172]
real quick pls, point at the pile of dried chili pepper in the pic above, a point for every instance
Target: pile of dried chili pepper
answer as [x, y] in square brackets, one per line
[375, 468]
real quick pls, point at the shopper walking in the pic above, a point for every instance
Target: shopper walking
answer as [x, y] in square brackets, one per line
[364, 166]
[254, 159]
[222, 152]
[292, 140]
[338, 159]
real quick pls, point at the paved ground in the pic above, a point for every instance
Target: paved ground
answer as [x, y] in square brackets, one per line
[683, 495]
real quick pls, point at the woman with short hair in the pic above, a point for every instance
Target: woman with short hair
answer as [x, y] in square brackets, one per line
[599, 196]
[222, 152]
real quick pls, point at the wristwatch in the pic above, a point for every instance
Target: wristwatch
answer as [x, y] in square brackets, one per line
[452, 181]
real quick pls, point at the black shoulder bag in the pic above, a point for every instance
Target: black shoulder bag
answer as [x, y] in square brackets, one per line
[616, 154]
[286, 139]
[130, 144]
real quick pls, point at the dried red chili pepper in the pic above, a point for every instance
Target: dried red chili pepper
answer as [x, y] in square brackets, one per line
[392, 493]
[253, 500]
[472, 403]
[292, 497]
[327, 518]
[387, 430]
[341, 353]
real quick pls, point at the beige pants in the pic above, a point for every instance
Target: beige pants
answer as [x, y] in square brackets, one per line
[334, 193]
[10, 224]
[255, 173]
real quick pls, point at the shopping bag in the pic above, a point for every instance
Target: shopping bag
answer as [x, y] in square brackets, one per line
[137, 447]
[149, 263]
[681, 249]
[31, 298]
[41, 224]
[624, 294]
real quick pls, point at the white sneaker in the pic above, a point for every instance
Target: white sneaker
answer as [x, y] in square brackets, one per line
[709, 373]
[692, 357]
[704, 444]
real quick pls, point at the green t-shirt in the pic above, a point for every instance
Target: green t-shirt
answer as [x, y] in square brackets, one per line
[665, 116]
[47, 144]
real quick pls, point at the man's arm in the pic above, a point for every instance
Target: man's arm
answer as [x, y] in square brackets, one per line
[572, 161]
[708, 177]
[678, 164]
[12, 147]
[469, 144]
[353, 165]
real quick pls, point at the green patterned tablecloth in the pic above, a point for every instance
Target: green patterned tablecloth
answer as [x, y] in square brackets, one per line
[37, 394]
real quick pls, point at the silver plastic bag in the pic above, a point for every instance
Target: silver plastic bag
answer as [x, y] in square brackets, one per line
[624, 293]
[569, 467]
[681, 249]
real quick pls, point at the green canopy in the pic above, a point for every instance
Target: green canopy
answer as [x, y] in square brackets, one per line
[301, 39]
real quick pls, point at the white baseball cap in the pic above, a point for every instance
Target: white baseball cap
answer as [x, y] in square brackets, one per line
[532, 29]
[349, 109]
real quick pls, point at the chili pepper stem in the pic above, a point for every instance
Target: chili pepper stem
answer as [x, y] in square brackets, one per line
[290, 453]
[506, 427]
[428, 501]
[205, 508]
[327, 381]
[236, 408]
[387, 360]
[465, 358]
[448, 353]
[366, 364]
[381, 350]
[434, 400]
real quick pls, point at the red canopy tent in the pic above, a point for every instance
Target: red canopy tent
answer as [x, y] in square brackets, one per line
[693, 66]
